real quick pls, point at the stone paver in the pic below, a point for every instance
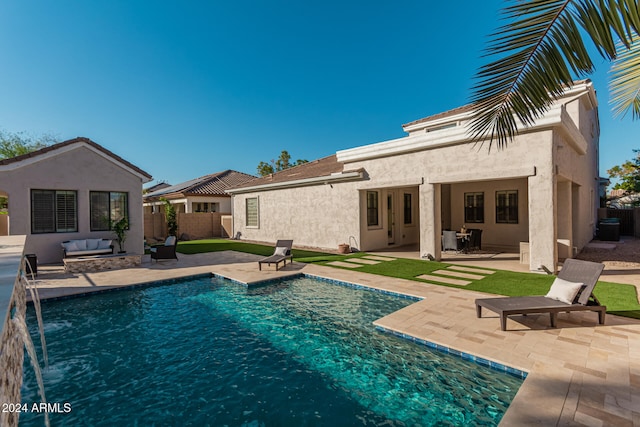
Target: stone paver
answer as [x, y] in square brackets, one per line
[378, 258]
[344, 264]
[459, 274]
[448, 280]
[470, 269]
[362, 261]
[581, 373]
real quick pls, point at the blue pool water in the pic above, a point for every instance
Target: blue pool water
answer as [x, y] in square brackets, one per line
[210, 352]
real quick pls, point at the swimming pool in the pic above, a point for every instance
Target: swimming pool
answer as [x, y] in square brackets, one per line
[210, 352]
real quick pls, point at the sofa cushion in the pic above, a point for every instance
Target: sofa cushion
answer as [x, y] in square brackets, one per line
[93, 244]
[70, 246]
[85, 252]
[104, 244]
[81, 244]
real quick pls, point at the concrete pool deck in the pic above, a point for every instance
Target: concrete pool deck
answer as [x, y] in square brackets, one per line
[581, 373]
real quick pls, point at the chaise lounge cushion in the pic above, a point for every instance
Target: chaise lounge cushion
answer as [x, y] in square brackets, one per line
[281, 251]
[564, 290]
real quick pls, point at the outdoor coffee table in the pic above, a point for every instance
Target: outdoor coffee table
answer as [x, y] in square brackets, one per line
[100, 262]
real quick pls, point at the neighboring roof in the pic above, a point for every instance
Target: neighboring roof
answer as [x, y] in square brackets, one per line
[156, 187]
[209, 185]
[81, 141]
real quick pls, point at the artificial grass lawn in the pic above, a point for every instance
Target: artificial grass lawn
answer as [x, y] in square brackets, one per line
[216, 245]
[619, 298]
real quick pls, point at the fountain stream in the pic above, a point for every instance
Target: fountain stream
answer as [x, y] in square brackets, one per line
[35, 298]
[21, 325]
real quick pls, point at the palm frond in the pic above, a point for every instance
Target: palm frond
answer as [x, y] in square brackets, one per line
[625, 81]
[539, 53]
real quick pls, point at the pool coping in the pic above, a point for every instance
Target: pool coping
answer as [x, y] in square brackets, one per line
[580, 373]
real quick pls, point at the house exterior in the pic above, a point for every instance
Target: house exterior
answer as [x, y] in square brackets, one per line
[542, 190]
[200, 204]
[69, 191]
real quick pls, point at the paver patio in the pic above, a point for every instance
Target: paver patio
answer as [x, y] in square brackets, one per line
[579, 374]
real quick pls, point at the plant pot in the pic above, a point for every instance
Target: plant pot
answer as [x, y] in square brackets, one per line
[343, 248]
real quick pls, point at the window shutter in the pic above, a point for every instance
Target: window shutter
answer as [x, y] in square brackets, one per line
[42, 211]
[66, 218]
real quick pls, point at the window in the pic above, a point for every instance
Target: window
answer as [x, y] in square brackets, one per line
[107, 207]
[252, 212]
[201, 207]
[54, 211]
[473, 207]
[507, 207]
[372, 208]
[408, 213]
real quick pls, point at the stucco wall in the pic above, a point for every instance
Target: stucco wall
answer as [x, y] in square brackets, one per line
[81, 170]
[321, 216]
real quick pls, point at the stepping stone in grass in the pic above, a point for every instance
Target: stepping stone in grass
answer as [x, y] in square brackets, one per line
[459, 274]
[447, 280]
[470, 269]
[362, 261]
[344, 264]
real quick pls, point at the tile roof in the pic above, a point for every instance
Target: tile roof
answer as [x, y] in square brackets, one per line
[316, 168]
[77, 140]
[209, 185]
[469, 107]
[452, 112]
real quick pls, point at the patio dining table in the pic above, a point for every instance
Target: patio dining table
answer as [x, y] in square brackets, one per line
[465, 238]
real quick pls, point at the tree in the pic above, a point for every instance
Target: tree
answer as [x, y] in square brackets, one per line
[628, 173]
[281, 164]
[17, 144]
[537, 53]
[171, 217]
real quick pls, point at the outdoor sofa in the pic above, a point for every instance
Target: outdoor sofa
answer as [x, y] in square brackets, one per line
[85, 247]
[571, 291]
[281, 253]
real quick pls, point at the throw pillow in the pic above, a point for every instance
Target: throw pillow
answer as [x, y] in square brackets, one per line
[81, 244]
[564, 290]
[70, 246]
[104, 244]
[92, 244]
[171, 240]
[280, 251]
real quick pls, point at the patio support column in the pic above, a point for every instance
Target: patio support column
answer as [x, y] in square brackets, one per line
[542, 221]
[430, 220]
[565, 215]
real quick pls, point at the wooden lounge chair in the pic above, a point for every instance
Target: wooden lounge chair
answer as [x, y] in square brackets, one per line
[166, 250]
[281, 253]
[574, 271]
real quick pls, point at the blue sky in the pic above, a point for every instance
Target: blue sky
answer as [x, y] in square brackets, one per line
[183, 89]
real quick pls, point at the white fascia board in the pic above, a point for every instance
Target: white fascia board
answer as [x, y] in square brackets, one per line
[483, 175]
[66, 149]
[440, 138]
[340, 177]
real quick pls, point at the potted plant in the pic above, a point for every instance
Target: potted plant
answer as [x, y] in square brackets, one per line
[120, 228]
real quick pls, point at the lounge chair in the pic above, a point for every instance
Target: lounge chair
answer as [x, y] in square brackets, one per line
[166, 250]
[571, 291]
[281, 253]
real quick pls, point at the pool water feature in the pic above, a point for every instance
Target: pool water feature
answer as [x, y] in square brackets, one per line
[211, 352]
